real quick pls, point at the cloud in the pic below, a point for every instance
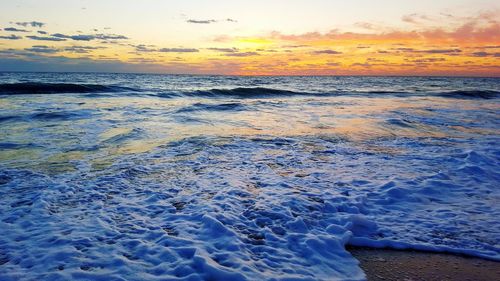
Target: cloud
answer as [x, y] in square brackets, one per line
[201, 21]
[294, 46]
[11, 37]
[42, 49]
[31, 23]
[440, 51]
[427, 60]
[82, 49]
[45, 38]
[327, 52]
[429, 51]
[485, 54]
[209, 21]
[366, 65]
[42, 32]
[151, 48]
[366, 25]
[89, 37]
[333, 64]
[74, 37]
[144, 48]
[178, 50]
[414, 18]
[224, 50]
[13, 29]
[244, 54]
[111, 37]
[481, 29]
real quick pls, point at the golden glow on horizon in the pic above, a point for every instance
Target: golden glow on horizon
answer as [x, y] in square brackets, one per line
[441, 44]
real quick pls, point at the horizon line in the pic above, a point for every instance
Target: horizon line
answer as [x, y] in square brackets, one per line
[258, 75]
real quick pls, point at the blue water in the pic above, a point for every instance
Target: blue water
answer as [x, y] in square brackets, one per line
[178, 177]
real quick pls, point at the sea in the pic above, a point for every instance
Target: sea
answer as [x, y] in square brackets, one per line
[190, 177]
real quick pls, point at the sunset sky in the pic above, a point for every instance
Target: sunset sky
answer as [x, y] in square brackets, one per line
[271, 37]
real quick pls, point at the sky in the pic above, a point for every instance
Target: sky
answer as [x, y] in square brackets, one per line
[259, 37]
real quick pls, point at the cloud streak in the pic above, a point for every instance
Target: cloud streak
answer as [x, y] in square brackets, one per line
[45, 38]
[11, 37]
[243, 54]
[13, 29]
[201, 21]
[327, 52]
[90, 37]
[178, 50]
[31, 23]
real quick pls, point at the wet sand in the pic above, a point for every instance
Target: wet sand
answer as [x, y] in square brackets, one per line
[385, 264]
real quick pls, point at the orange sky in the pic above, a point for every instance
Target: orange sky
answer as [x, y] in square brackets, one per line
[420, 43]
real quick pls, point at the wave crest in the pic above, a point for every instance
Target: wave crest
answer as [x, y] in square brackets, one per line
[27, 88]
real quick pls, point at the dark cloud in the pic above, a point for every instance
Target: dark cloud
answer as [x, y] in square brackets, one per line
[145, 49]
[111, 37]
[201, 21]
[224, 50]
[13, 29]
[427, 60]
[268, 50]
[82, 49]
[244, 54]
[333, 64]
[74, 37]
[42, 32]
[485, 54]
[90, 37]
[42, 49]
[151, 48]
[11, 37]
[45, 38]
[178, 50]
[231, 20]
[31, 23]
[327, 52]
[430, 51]
[440, 51]
[403, 49]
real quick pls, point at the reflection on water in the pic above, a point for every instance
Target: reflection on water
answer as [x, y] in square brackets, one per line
[67, 128]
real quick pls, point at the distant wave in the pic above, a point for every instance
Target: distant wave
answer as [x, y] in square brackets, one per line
[242, 92]
[239, 92]
[484, 94]
[56, 88]
[261, 92]
[213, 107]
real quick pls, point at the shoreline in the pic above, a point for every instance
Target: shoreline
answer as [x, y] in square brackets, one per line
[390, 264]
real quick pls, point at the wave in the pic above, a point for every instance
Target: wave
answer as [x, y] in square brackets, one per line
[213, 107]
[261, 92]
[238, 92]
[483, 94]
[27, 88]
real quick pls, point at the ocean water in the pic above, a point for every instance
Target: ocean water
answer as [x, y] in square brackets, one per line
[177, 177]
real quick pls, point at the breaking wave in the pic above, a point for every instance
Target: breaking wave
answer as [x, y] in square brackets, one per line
[57, 88]
[27, 88]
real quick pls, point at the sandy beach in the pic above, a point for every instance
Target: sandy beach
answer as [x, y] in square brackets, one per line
[386, 264]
